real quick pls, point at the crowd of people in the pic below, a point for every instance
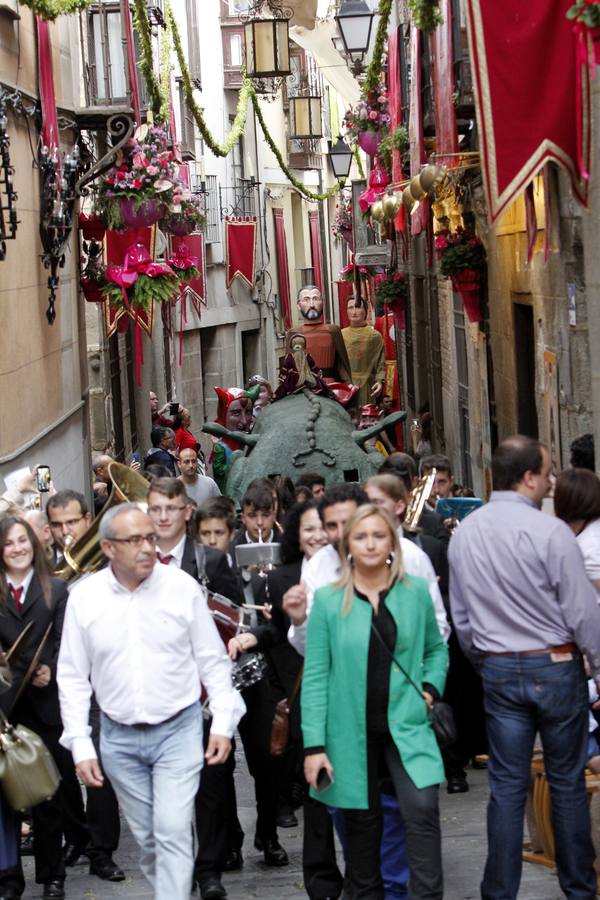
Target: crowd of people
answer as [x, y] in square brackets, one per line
[351, 621]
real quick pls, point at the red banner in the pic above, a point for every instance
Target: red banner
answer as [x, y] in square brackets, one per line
[282, 267]
[446, 134]
[533, 95]
[395, 111]
[315, 247]
[116, 245]
[420, 217]
[240, 242]
[46, 82]
[195, 290]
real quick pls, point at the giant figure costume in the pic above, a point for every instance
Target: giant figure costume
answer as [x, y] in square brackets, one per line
[234, 412]
[365, 351]
[324, 341]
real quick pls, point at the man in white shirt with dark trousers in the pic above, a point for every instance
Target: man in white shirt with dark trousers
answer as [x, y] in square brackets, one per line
[141, 637]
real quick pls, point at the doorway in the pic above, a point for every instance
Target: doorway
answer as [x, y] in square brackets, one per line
[524, 330]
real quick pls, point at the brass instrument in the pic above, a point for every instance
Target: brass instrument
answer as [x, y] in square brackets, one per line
[85, 556]
[419, 498]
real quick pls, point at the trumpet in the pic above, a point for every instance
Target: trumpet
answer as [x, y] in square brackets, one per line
[84, 556]
[419, 498]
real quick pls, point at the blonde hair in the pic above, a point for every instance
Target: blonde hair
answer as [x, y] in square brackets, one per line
[396, 569]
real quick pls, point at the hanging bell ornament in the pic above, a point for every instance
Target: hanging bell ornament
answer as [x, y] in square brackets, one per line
[377, 211]
[391, 205]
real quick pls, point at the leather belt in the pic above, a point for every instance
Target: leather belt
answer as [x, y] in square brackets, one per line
[560, 648]
[142, 726]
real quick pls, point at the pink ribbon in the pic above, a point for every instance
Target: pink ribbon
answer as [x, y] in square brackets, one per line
[182, 261]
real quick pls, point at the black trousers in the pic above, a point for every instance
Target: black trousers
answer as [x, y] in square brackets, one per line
[102, 807]
[62, 814]
[255, 732]
[322, 877]
[217, 826]
[464, 693]
[420, 811]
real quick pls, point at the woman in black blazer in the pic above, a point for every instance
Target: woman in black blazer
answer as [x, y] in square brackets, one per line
[302, 537]
[29, 594]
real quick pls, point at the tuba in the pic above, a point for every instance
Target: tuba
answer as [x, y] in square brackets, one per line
[84, 556]
[419, 498]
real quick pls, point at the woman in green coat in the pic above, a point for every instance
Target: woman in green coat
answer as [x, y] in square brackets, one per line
[361, 718]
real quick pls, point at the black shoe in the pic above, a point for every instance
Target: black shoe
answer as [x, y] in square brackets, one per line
[72, 853]
[286, 817]
[106, 868]
[212, 889]
[54, 890]
[234, 861]
[272, 851]
[26, 847]
[457, 784]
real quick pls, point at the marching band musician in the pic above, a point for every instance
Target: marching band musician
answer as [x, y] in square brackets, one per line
[140, 635]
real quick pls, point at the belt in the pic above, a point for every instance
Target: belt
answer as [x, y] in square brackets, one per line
[142, 726]
[561, 648]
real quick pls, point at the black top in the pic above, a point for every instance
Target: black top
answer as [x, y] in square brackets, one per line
[379, 667]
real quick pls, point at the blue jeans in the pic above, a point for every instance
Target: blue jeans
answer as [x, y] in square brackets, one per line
[155, 771]
[525, 695]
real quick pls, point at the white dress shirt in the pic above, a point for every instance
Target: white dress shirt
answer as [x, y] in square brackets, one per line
[144, 654]
[24, 584]
[175, 552]
[325, 567]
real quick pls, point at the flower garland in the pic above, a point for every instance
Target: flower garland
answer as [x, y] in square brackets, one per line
[165, 67]
[587, 12]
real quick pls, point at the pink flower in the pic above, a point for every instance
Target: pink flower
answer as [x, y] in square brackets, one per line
[373, 115]
[152, 170]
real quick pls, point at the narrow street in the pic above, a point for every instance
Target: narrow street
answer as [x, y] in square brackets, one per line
[463, 827]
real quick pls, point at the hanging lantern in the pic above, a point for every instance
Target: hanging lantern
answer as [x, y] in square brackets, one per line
[267, 40]
[340, 157]
[355, 21]
[307, 118]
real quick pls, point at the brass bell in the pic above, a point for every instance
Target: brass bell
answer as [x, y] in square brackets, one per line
[391, 205]
[377, 211]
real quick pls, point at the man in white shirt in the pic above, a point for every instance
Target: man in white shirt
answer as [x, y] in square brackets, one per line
[141, 637]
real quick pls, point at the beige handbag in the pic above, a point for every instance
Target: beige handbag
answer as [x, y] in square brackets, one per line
[28, 773]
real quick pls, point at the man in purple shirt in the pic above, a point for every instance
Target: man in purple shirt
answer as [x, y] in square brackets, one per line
[525, 612]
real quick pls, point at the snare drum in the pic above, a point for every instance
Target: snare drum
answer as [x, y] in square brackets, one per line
[231, 620]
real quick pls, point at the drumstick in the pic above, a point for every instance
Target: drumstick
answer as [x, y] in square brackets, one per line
[259, 608]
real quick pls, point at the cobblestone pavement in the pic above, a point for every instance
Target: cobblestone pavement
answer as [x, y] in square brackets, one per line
[463, 828]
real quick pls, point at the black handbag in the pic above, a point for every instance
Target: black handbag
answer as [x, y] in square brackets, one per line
[440, 715]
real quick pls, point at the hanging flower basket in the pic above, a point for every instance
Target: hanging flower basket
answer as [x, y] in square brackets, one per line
[467, 283]
[92, 227]
[141, 215]
[392, 291]
[369, 141]
[91, 289]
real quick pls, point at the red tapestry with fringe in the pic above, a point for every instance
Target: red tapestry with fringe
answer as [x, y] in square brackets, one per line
[532, 81]
[240, 243]
[446, 134]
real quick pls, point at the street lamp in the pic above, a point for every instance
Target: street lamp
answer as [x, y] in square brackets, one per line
[267, 40]
[306, 112]
[340, 157]
[355, 21]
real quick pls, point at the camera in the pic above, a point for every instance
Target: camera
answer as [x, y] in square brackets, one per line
[174, 408]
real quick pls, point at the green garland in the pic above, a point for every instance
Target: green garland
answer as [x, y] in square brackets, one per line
[426, 14]
[237, 127]
[166, 67]
[49, 10]
[356, 153]
[142, 25]
[376, 64]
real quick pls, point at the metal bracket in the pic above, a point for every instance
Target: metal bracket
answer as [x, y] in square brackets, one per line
[120, 128]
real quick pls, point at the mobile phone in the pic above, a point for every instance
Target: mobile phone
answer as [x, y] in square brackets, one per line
[135, 457]
[324, 779]
[174, 408]
[43, 478]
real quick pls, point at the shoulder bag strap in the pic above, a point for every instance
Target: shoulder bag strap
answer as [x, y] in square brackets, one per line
[296, 688]
[200, 554]
[389, 652]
